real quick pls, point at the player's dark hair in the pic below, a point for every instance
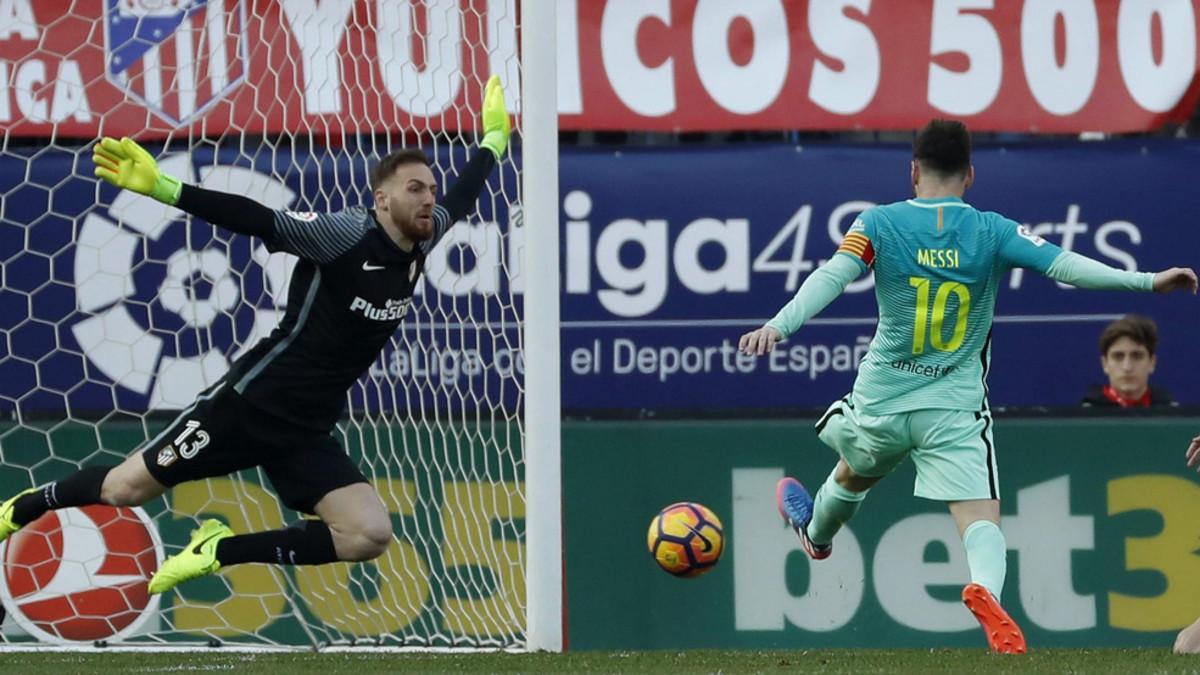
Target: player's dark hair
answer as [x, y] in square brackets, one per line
[388, 165]
[943, 147]
[1140, 329]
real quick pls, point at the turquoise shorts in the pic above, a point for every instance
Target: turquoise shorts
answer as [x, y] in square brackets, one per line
[952, 449]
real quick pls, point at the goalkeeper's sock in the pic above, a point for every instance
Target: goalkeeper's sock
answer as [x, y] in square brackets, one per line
[986, 555]
[308, 542]
[81, 488]
[833, 507]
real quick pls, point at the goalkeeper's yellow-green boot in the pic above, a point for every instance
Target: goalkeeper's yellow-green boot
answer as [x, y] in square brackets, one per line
[198, 559]
[7, 526]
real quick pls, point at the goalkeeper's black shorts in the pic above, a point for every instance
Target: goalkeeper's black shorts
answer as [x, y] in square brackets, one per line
[221, 433]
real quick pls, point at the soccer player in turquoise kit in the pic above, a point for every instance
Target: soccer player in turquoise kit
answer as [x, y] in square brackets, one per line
[921, 390]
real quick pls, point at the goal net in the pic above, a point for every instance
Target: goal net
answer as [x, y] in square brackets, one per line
[115, 311]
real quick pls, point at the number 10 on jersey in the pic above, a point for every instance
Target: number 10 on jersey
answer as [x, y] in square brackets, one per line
[924, 322]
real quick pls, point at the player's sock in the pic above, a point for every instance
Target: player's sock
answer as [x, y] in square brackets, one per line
[986, 555]
[308, 542]
[832, 507]
[79, 489]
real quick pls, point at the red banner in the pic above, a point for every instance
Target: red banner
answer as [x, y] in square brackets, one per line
[154, 68]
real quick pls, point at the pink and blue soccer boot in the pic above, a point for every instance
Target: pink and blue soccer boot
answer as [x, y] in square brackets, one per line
[796, 507]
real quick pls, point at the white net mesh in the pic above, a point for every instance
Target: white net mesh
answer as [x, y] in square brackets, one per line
[115, 311]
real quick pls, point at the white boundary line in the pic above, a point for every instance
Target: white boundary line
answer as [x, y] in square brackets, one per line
[249, 649]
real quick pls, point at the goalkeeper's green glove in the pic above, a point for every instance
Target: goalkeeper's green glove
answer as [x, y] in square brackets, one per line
[495, 118]
[127, 165]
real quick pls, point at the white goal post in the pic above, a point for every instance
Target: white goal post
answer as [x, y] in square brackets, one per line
[115, 312]
[543, 408]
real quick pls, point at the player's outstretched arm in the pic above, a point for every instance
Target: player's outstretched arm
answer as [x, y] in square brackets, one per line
[461, 197]
[817, 291]
[1083, 272]
[760, 340]
[129, 166]
[1193, 453]
[1175, 279]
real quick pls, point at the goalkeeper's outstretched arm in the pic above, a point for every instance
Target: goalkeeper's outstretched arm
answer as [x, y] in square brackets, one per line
[460, 198]
[129, 166]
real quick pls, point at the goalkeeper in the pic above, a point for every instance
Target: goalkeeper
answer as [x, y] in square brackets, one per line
[277, 405]
[921, 389]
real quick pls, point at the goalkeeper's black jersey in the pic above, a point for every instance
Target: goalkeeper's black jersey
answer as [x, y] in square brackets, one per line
[348, 294]
[349, 291]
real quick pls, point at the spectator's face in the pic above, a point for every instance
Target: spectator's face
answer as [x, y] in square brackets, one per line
[407, 199]
[1128, 365]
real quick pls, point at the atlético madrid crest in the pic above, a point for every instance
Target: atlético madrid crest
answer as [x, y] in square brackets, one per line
[176, 57]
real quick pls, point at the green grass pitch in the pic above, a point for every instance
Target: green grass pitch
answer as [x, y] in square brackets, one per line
[849, 661]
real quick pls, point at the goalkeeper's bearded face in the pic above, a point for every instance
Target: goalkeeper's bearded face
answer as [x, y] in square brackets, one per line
[405, 201]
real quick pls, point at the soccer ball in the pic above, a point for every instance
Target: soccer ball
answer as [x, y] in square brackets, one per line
[686, 539]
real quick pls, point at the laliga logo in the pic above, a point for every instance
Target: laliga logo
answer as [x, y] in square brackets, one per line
[121, 346]
[81, 574]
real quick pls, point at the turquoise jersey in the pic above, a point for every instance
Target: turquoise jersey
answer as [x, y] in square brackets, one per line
[938, 263]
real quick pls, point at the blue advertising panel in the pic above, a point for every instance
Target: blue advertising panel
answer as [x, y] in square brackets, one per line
[671, 255]
[112, 302]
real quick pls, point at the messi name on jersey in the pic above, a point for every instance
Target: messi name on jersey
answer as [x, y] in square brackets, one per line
[937, 257]
[394, 309]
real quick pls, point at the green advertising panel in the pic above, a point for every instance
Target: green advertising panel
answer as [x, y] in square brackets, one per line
[453, 576]
[1101, 517]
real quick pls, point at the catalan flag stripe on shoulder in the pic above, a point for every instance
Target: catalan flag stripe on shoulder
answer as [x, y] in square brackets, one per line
[858, 245]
